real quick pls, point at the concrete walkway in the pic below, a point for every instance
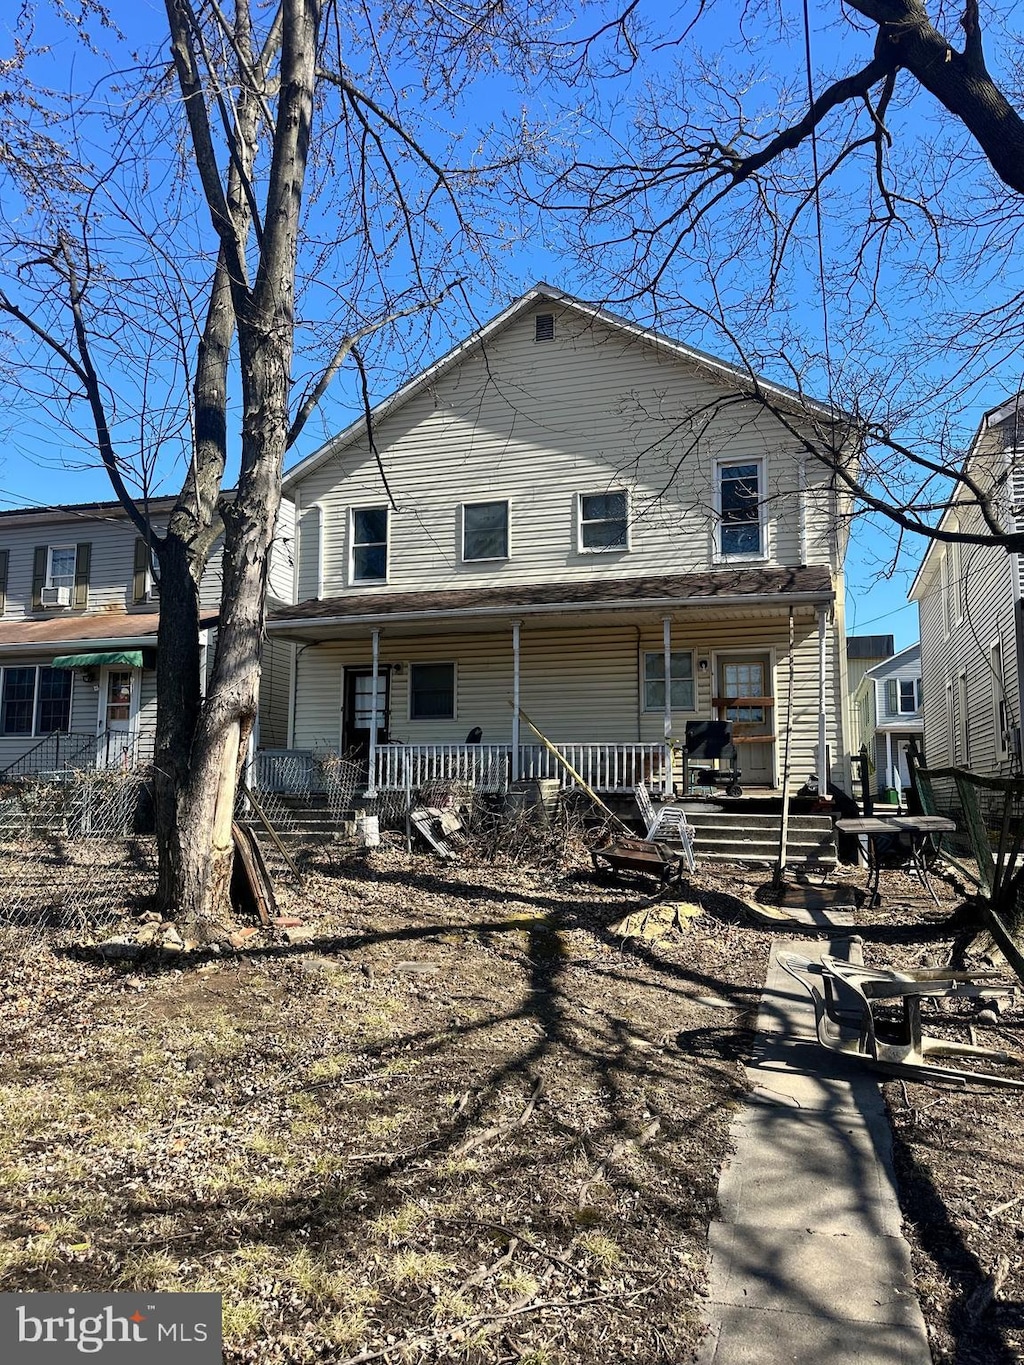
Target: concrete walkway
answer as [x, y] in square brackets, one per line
[808, 1264]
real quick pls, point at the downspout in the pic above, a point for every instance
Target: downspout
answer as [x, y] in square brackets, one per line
[666, 627]
[516, 758]
[371, 786]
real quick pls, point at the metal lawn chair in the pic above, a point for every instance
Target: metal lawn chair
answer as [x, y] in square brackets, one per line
[666, 822]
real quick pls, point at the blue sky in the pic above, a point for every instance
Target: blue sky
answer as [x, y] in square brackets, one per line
[40, 464]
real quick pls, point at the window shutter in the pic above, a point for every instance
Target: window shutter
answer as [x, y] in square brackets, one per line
[891, 697]
[38, 576]
[4, 556]
[83, 557]
[140, 572]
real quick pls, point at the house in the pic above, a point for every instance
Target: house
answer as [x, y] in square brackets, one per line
[574, 523]
[79, 611]
[970, 614]
[887, 707]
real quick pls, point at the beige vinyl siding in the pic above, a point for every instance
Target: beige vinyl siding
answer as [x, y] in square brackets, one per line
[539, 424]
[579, 685]
[111, 569]
[275, 682]
[281, 575]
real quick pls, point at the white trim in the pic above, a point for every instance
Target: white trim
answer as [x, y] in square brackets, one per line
[320, 546]
[661, 709]
[428, 720]
[51, 550]
[368, 507]
[578, 517]
[35, 732]
[1000, 707]
[775, 720]
[728, 462]
[102, 728]
[485, 559]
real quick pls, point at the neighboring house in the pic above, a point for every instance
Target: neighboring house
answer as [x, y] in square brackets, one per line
[887, 707]
[862, 653]
[79, 610]
[970, 611]
[584, 517]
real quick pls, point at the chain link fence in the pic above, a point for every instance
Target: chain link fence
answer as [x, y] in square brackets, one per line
[72, 848]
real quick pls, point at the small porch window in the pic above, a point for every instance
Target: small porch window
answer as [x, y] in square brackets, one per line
[681, 665]
[603, 521]
[485, 530]
[369, 544]
[432, 692]
[17, 701]
[740, 531]
[53, 705]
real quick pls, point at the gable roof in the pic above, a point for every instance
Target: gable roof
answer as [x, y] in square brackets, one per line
[546, 293]
[911, 654]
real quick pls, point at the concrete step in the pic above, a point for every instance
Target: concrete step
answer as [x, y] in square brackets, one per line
[731, 837]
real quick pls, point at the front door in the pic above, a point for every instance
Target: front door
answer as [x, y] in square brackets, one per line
[117, 716]
[745, 699]
[358, 711]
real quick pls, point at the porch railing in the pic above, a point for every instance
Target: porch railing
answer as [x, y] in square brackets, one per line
[57, 753]
[490, 767]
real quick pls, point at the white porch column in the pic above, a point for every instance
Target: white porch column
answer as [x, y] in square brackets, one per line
[516, 766]
[891, 777]
[371, 786]
[823, 775]
[666, 628]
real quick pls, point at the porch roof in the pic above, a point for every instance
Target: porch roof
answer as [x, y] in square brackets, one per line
[63, 633]
[761, 588]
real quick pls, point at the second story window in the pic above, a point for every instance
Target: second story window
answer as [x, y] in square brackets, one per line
[603, 521]
[60, 568]
[369, 544]
[910, 696]
[485, 530]
[740, 530]
[60, 576]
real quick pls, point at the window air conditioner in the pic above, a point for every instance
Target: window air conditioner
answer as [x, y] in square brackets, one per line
[56, 597]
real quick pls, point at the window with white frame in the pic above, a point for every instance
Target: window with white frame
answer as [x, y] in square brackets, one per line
[35, 701]
[963, 722]
[947, 615]
[603, 521]
[909, 696]
[739, 496]
[432, 691]
[60, 566]
[681, 667]
[369, 544]
[1000, 711]
[956, 582]
[485, 530]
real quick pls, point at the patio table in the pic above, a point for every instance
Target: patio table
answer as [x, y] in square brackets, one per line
[919, 830]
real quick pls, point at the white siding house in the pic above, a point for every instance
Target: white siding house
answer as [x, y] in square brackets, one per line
[79, 612]
[583, 517]
[887, 706]
[969, 607]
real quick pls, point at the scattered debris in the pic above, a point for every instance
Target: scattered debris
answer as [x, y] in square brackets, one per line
[657, 921]
[442, 829]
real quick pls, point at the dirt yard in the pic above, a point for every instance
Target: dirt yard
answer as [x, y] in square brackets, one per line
[463, 1120]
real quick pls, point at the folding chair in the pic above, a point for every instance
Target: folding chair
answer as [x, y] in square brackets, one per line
[666, 822]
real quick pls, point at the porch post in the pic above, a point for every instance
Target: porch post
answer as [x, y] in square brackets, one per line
[371, 786]
[890, 775]
[666, 626]
[824, 777]
[516, 766]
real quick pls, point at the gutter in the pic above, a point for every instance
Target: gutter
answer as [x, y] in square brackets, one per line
[89, 642]
[633, 604]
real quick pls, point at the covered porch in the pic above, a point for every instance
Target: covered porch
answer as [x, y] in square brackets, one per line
[443, 686]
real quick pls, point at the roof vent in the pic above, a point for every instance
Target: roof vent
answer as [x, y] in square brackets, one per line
[544, 327]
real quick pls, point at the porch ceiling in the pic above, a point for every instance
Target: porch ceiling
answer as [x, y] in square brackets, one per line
[746, 594]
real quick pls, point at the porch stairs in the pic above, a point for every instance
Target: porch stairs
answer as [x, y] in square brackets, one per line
[738, 837]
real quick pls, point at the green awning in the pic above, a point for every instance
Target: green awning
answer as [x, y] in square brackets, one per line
[125, 658]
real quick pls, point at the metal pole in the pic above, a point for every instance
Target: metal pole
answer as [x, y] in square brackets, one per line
[516, 765]
[371, 786]
[666, 627]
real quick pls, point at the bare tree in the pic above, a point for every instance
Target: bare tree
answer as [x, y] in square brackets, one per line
[891, 168]
[197, 242]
